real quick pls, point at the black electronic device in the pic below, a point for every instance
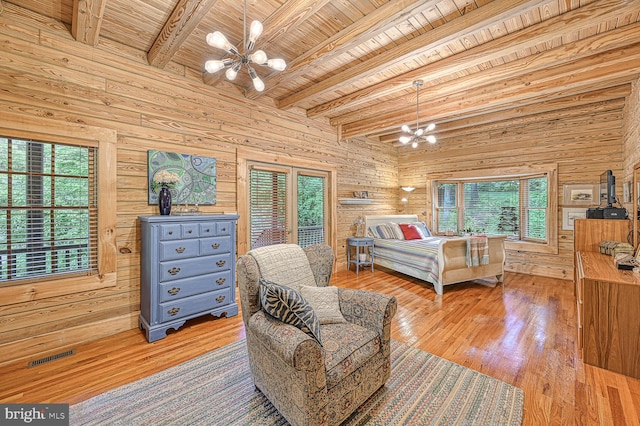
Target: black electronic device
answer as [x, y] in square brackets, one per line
[614, 213]
[595, 213]
[607, 189]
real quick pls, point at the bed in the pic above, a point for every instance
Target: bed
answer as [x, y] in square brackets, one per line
[438, 260]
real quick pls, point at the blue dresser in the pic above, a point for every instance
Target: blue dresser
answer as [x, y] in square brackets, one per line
[187, 268]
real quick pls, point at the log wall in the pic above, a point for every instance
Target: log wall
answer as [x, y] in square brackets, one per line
[584, 140]
[47, 77]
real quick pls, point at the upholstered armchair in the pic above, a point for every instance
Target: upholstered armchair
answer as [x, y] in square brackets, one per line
[311, 383]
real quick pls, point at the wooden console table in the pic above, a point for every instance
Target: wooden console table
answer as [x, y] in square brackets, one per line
[608, 301]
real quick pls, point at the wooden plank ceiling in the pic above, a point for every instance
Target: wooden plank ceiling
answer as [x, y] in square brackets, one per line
[354, 62]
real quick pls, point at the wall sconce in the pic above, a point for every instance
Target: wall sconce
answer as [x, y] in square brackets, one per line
[405, 200]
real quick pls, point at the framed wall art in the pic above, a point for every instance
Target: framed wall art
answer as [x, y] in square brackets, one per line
[569, 215]
[197, 184]
[581, 195]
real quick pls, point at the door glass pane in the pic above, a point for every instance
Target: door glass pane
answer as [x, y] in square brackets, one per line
[268, 207]
[311, 208]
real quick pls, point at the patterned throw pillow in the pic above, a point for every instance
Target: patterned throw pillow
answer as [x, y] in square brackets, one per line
[325, 302]
[390, 231]
[397, 232]
[385, 231]
[423, 228]
[287, 305]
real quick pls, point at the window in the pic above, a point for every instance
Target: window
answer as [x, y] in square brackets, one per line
[47, 213]
[267, 207]
[288, 200]
[311, 209]
[516, 204]
[48, 209]
[275, 209]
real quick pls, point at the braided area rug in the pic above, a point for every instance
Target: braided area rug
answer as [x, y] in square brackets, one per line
[216, 389]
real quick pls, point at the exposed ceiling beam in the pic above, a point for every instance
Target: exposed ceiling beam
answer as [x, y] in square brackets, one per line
[475, 20]
[183, 20]
[590, 46]
[614, 67]
[86, 20]
[372, 24]
[583, 103]
[600, 10]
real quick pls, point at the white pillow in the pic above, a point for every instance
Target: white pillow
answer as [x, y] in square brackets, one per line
[325, 302]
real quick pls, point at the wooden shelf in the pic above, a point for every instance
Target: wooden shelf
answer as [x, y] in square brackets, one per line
[355, 200]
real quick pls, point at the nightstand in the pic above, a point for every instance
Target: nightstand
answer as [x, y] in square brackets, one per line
[361, 257]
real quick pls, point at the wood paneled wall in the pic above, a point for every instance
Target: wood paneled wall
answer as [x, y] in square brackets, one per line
[632, 135]
[583, 140]
[45, 76]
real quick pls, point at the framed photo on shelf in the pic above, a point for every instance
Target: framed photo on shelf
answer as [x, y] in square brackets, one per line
[569, 215]
[581, 195]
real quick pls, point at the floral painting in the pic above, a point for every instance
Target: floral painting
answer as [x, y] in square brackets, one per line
[197, 177]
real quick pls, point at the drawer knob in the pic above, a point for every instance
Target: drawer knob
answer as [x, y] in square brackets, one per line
[224, 229]
[180, 250]
[173, 311]
[219, 299]
[208, 230]
[190, 231]
[221, 280]
[215, 245]
[174, 270]
[174, 291]
[221, 263]
[170, 232]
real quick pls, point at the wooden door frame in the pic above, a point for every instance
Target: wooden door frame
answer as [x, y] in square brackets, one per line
[244, 156]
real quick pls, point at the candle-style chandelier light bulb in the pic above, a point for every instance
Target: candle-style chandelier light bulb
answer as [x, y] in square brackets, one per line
[415, 136]
[259, 57]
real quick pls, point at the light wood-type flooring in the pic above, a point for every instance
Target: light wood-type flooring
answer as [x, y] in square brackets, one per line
[522, 332]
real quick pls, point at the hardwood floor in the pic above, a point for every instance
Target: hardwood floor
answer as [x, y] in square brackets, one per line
[522, 332]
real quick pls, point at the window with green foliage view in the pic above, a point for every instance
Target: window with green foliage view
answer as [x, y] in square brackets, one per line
[516, 207]
[48, 209]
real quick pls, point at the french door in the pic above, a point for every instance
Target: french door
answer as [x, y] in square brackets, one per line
[286, 205]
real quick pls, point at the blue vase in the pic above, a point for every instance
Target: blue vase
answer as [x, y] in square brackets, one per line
[164, 201]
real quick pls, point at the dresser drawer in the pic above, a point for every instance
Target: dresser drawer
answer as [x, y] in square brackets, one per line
[178, 269]
[223, 228]
[182, 249]
[194, 304]
[215, 245]
[170, 231]
[207, 229]
[174, 290]
[190, 230]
